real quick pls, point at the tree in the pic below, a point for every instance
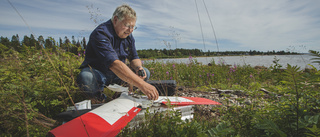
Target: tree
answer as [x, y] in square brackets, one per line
[41, 42]
[67, 43]
[5, 41]
[84, 43]
[50, 44]
[15, 43]
[74, 42]
[26, 41]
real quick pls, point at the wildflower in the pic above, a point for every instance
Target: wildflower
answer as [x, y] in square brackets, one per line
[167, 72]
[79, 54]
[212, 74]
[232, 70]
[173, 66]
[190, 59]
[208, 74]
[251, 76]
[171, 78]
[200, 75]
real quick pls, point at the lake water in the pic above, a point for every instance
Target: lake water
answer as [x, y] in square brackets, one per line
[301, 61]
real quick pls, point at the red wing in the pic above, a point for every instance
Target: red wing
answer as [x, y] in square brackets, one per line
[181, 101]
[106, 120]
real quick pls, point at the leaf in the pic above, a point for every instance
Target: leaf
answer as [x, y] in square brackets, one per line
[270, 127]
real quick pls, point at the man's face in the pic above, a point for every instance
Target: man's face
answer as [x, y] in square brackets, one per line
[125, 27]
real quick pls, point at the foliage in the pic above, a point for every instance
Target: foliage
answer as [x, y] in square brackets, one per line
[77, 47]
[221, 130]
[164, 124]
[37, 84]
[179, 53]
[33, 90]
[316, 54]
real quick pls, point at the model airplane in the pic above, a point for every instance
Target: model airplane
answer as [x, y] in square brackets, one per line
[108, 119]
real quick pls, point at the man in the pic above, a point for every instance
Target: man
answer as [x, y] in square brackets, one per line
[109, 45]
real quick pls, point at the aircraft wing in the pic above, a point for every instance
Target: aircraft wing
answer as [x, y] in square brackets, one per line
[110, 118]
[106, 120]
[182, 101]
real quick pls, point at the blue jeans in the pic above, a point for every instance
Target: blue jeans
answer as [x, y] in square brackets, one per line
[92, 81]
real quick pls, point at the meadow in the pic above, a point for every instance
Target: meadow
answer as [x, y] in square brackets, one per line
[38, 84]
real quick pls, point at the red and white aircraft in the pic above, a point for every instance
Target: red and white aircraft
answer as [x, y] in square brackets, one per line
[108, 119]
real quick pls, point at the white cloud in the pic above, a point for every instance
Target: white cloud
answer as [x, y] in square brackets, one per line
[245, 25]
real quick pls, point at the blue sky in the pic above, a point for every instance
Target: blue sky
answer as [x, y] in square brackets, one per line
[262, 25]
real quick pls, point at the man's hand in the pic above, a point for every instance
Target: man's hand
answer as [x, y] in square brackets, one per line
[150, 91]
[127, 75]
[141, 72]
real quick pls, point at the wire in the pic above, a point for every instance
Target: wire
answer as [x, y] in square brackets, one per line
[204, 45]
[215, 36]
[20, 16]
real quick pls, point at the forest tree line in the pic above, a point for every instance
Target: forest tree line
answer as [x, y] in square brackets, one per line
[78, 47]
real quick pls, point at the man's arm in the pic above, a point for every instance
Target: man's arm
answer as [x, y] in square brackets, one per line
[124, 73]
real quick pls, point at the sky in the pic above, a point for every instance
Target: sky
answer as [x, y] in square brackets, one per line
[215, 25]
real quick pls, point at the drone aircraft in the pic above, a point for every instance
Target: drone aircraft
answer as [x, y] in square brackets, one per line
[110, 118]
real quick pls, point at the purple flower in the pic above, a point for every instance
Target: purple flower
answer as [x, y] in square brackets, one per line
[190, 58]
[173, 66]
[251, 76]
[79, 54]
[200, 75]
[212, 74]
[171, 78]
[167, 72]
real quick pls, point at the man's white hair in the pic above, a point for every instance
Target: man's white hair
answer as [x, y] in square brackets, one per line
[124, 11]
